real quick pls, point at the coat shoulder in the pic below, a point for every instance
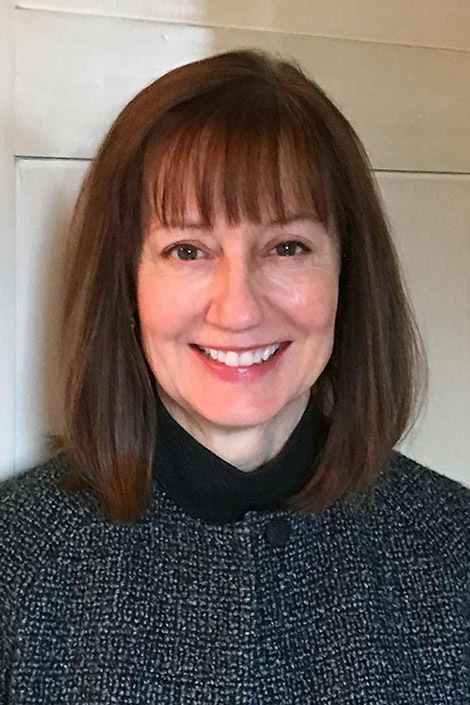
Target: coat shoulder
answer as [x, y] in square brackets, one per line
[411, 499]
[37, 519]
[418, 485]
[31, 498]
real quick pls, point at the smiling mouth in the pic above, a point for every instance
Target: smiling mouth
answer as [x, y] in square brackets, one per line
[244, 359]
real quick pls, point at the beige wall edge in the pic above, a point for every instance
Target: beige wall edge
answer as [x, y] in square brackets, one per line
[434, 23]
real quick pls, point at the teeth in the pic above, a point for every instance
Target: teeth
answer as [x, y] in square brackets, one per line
[245, 359]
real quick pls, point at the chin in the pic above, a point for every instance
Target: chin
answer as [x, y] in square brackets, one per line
[238, 414]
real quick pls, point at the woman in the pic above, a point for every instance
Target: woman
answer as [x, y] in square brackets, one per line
[227, 521]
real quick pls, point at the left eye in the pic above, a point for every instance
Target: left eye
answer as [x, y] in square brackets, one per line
[290, 248]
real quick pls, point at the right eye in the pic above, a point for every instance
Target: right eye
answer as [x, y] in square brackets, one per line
[184, 252]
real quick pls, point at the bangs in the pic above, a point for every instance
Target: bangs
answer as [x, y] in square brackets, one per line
[243, 159]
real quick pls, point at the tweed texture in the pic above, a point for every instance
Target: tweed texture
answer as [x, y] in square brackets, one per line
[363, 604]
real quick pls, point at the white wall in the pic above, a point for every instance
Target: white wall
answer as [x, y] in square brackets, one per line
[399, 70]
[7, 243]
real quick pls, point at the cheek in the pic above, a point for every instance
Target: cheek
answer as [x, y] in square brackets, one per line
[313, 306]
[155, 311]
[324, 310]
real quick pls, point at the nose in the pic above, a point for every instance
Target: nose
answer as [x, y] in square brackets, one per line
[234, 301]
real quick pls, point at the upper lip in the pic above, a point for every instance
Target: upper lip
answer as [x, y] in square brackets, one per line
[237, 349]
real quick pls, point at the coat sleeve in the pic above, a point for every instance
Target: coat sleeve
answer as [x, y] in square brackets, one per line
[7, 549]
[4, 668]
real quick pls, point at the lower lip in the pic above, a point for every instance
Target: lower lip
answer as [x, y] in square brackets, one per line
[240, 374]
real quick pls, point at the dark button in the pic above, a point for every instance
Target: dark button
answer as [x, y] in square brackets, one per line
[277, 532]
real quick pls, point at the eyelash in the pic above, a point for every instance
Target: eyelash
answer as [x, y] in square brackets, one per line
[187, 245]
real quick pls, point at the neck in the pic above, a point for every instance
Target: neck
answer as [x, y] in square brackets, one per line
[244, 447]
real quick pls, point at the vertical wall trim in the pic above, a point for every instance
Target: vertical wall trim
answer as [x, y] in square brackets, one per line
[7, 242]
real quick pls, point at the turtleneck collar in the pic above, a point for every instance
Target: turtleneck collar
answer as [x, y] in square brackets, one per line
[209, 488]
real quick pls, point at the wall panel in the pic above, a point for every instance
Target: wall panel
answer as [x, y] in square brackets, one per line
[7, 245]
[431, 220]
[411, 106]
[46, 190]
[437, 23]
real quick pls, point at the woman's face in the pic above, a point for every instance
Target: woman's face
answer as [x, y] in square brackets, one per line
[236, 289]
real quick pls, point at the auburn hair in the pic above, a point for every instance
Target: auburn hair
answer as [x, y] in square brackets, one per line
[232, 128]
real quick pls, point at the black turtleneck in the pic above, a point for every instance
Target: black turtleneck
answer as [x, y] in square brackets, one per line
[208, 487]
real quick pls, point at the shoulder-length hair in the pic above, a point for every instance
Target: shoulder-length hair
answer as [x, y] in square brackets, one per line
[226, 126]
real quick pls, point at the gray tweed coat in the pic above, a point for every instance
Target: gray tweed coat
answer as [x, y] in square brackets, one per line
[359, 605]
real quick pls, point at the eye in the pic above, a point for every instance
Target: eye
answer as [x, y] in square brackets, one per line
[183, 251]
[289, 248]
[186, 252]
